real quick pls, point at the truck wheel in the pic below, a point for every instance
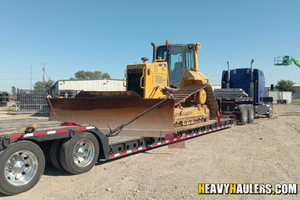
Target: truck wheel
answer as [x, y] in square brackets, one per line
[270, 112]
[54, 154]
[244, 115]
[80, 153]
[250, 114]
[21, 166]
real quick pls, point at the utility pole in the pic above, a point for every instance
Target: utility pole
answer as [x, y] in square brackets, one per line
[44, 75]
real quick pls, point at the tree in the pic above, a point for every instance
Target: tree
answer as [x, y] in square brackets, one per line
[13, 90]
[90, 75]
[98, 74]
[40, 85]
[285, 85]
[81, 75]
[105, 76]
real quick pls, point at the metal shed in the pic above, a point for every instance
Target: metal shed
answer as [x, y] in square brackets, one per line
[90, 85]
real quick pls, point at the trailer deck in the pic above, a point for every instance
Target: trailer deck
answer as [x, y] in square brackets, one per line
[11, 127]
[73, 148]
[118, 145]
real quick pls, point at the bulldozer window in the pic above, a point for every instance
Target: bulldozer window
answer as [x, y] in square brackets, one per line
[162, 52]
[189, 59]
[175, 64]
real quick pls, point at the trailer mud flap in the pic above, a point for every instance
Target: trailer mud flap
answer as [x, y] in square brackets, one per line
[110, 113]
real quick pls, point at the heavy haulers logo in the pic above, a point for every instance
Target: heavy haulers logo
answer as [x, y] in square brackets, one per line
[247, 188]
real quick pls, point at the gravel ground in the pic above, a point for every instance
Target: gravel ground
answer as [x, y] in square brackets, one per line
[266, 151]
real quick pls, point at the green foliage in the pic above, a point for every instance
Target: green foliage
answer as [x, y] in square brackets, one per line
[105, 76]
[285, 85]
[13, 90]
[90, 75]
[81, 75]
[40, 86]
[98, 74]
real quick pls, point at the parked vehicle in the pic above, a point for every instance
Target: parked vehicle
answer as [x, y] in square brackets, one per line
[242, 94]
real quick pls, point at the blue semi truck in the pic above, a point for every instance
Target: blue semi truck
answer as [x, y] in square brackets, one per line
[242, 94]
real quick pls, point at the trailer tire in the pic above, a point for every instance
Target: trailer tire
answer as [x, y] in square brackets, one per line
[22, 165]
[79, 153]
[270, 112]
[55, 154]
[251, 114]
[244, 115]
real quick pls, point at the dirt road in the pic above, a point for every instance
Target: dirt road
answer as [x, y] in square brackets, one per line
[266, 151]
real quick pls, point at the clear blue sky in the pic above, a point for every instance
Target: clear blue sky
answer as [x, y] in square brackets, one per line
[107, 35]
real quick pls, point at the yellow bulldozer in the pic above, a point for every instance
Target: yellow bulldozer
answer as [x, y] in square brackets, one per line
[167, 95]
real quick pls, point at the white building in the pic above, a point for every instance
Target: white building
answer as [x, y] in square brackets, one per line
[89, 85]
[296, 91]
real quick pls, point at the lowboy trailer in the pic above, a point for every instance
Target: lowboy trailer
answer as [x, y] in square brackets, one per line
[75, 149]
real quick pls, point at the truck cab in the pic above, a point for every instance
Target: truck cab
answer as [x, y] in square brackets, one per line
[242, 94]
[241, 78]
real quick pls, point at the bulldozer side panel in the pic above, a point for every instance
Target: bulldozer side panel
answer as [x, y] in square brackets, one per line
[153, 75]
[191, 77]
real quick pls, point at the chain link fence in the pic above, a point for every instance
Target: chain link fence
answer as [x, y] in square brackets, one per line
[32, 101]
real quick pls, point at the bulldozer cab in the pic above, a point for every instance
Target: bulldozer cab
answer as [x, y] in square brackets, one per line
[180, 57]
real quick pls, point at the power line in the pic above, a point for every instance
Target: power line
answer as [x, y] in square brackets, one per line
[17, 73]
[9, 67]
[18, 79]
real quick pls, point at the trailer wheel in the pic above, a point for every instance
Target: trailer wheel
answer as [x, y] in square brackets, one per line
[270, 112]
[54, 154]
[80, 153]
[244, 115]
[250, 114]
[21, 166]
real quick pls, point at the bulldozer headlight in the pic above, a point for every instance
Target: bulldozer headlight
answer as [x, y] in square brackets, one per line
[206, 81]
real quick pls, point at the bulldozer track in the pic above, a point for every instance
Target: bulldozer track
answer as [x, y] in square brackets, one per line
[181, 95]
[184, 93]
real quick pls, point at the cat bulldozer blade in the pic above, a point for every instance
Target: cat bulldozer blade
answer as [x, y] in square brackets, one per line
[108, 110]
